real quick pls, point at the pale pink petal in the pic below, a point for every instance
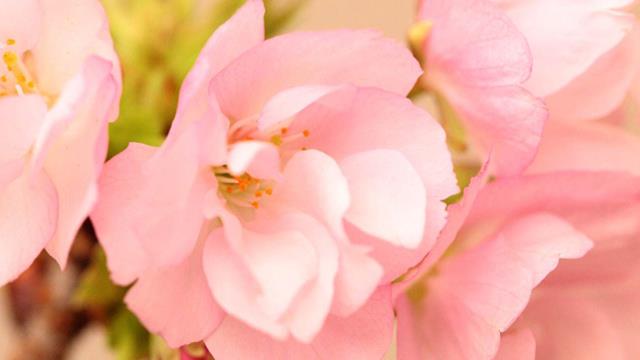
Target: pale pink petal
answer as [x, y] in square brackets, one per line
[566, 37]
[357, 279]
[571, 327]
[257, 158]
[288, 103]
[288, 275]
[28, 214]
[364, 335]
[587, 146]
[122, 180]
[354, 120]
[243, 31]
[72, 30]
[508, 121]
[313, 183]
[75, 148]
[329, 58]
[308, 313]
[478, 60]
[234, 287]
[456, 217]
[20, 21]
[480, 292]
[176, 302]
[282, 262]
[472, 42]
[21, 118]
[602, 88]
[517, 344]
[170, 210]
[388, 199]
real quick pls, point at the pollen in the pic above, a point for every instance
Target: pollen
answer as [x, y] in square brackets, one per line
[255, 204]
[276, 140]
[306, 133]
[11, 42]
[284, 131]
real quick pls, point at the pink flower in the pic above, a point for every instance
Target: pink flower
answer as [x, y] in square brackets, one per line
[499, 243]
[478, 60]
[583, 52]
[296, 183]
[59, 87]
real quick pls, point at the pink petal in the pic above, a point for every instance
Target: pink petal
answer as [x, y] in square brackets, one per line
[234, 287]
[603, 87]
[288, 103]
[28, 212]
[72, 31]
[480, 292]
[364, 335]
[322, 58]
[176, 302]
[587, 146]
[478, 59]
[243, 31]
[20, 121]
[169, 213]
[507, 121]
[572, 327]
[518, 344]
[285, 275]
[391, 204]
[20, 21]
[258, 158]
[313, 183]
[573, 37]
[456, 217]
[353, 120]
[357, 279]
[308, 313]
[473, 42]
[73, 147]
[122, 179]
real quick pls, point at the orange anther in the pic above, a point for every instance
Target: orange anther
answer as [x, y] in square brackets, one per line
[306, 133]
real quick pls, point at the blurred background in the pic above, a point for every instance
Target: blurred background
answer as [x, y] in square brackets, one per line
[78, 314]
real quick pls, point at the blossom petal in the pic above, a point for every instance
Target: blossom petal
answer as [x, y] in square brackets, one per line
[257, 158]
[330, 58]
[574, 36]
[313, 183]
[73, 147]
[478, 60]
[364, 335]
[20, 21]
[241, 32]
[21, 120]
[176, 302]
[389, 204]
[587, 146]
[72, 31]
[480, 292]
[602, 87]
[518, 344]
[28, 212]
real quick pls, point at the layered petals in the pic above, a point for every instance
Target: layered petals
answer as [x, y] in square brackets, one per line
[574, 36]
[368, 332]
[478, 60]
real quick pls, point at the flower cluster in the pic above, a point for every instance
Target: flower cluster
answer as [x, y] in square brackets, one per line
[303, 207]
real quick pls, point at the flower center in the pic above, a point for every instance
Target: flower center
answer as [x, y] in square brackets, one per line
[242, 191]
[15, 77]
